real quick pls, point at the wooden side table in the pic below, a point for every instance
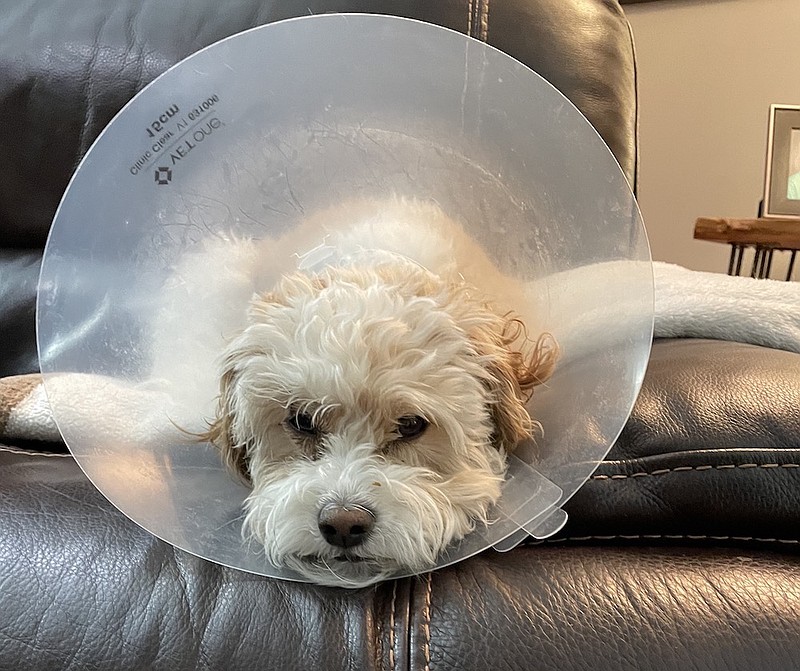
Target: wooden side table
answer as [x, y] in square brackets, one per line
[767, 236]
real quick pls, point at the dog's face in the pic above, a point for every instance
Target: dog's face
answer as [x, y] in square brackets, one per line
[371, 410]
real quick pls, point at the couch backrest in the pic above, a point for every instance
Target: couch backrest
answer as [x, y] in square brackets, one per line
[68, 66]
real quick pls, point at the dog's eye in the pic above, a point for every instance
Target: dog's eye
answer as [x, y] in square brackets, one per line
[302, 422]
[411, 426]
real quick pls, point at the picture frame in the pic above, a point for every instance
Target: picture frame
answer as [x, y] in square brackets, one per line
[782, 174]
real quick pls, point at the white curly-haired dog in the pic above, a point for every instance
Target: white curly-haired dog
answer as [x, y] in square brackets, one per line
[374, 392]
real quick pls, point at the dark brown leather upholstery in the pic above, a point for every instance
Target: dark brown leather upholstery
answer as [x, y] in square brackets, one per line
[681, 552]
[675, 559]
[67, 66]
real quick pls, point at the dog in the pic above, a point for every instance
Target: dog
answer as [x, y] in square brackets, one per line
[373, 391]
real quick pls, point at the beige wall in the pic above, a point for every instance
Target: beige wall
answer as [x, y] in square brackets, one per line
[708, 71]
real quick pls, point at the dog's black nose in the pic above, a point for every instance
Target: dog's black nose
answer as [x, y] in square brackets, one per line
[345, 525]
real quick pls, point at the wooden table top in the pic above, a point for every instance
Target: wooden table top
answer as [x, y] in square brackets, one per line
[767, 232]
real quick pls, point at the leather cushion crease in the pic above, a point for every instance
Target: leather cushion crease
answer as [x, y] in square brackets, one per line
[681, 551]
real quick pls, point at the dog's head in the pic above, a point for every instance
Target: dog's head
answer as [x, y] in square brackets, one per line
[371, 410]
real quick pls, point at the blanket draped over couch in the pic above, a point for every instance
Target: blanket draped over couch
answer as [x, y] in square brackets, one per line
[688, 304]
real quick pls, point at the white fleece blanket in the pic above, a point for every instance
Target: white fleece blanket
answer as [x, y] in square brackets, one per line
[691, 304]
[687, 304]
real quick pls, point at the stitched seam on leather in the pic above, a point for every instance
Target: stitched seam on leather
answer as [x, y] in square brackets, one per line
[392, 620]
[379, 632]
[684, 469]
[483, 20]
[33, 453]
[694, 537]
[426, 624]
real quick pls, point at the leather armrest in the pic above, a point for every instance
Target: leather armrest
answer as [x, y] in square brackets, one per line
[711, 450]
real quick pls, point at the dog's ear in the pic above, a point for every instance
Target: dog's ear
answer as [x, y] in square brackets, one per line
[220, 429]
[514, 366]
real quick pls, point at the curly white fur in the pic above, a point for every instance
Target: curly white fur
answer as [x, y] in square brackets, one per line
[354, 347]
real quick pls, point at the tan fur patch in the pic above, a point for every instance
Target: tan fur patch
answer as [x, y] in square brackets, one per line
[13, 391]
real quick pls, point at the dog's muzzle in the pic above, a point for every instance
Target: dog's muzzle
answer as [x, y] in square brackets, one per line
[345, 525]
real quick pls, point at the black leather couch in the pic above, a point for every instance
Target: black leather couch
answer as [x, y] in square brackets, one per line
[681, 552]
